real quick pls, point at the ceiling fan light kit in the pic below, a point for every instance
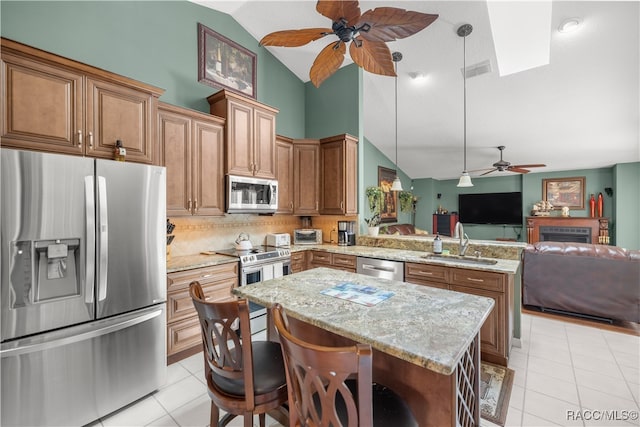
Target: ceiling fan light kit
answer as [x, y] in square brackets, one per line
[368, 33]
[464, 31]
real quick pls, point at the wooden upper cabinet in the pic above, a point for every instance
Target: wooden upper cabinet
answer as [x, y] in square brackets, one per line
[54, 104]
[119, 113]
[284, 174]
[42, 106]
[306, 177]
[250, 134]
[339, 175]
[192, 146]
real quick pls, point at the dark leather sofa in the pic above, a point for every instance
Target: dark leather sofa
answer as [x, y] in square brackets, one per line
[582, 278]
[402, 229]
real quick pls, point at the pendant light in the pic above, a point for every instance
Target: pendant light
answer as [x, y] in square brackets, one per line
[397, 185]
[464, 31]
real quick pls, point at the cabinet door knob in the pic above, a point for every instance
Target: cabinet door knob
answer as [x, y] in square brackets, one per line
[195, 207]
[189, 204]
[341, 206]
[79, 138]
[91, 140]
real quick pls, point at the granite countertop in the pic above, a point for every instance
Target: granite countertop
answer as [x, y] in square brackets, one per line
[502, 266]
[436, 325]
[508, 266]
[188, 262]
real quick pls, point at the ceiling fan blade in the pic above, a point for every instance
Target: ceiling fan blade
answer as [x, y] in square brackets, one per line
[487, 173]
[540, 165]
[327, 62]
[481, 170]
[517, 169]
[294, 38]
[374, 57]
[336, 10]
[390, 23]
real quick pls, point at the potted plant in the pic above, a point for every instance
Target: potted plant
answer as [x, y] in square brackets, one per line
[374, 197]
[406, 201]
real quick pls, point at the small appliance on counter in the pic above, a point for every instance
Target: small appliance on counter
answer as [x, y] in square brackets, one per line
[307, 236]
[346, 233]
[280, 240]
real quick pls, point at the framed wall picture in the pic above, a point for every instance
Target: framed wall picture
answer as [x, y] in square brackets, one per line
[389, 211]
[562, 192]
[225, 64]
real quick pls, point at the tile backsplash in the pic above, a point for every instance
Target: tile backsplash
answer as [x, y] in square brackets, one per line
[196, 234]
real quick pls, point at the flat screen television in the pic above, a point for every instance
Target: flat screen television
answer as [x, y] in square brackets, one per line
[490, 208]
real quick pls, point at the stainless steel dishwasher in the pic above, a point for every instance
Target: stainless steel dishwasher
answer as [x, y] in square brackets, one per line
[382, 268]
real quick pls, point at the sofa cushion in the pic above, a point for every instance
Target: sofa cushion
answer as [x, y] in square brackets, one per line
[401, 229]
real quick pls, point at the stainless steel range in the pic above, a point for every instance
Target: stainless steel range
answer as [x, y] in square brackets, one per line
[257, 265]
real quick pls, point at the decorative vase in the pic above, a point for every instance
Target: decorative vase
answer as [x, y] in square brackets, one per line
[373, 231]
[592, 206]
[600, 205]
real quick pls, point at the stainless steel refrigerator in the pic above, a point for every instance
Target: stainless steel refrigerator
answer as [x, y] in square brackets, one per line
[83, 286]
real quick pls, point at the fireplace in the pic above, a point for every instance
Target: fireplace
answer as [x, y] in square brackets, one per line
[565, 234]
[568, 229]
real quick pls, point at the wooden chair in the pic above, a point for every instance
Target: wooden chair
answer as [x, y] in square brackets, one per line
[332, 386]
[243, 377]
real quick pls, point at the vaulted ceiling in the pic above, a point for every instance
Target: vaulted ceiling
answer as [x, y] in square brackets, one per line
[580, 111]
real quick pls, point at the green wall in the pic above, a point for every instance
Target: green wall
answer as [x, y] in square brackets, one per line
[155, 42]
[626, 205]
[372, 159]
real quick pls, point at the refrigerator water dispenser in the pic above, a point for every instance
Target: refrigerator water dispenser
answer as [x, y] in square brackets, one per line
[57, 274]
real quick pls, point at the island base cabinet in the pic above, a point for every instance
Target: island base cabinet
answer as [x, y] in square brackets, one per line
[492, 340]
[435, 399]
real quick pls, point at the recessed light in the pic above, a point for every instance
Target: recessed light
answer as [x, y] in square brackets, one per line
[569, 25]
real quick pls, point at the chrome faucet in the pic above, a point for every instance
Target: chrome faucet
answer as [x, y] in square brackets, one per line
[464, 239]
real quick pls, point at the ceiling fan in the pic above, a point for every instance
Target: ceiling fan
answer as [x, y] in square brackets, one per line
[502, 166]
[367, 32]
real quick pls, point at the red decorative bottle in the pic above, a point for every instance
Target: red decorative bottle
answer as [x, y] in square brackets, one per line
[600, 205]
[592, 206]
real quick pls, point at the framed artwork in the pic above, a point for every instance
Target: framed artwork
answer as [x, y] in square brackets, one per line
[389, 212]
[225, 64]
[562, 192]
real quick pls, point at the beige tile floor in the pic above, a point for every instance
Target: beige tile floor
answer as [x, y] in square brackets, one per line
[566, 374]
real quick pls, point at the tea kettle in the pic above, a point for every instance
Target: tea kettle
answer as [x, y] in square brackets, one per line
[243, 243]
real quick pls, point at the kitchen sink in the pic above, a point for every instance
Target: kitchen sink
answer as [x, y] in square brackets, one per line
[461, 259]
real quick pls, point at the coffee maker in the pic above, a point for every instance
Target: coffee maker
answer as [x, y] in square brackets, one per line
[346, 233]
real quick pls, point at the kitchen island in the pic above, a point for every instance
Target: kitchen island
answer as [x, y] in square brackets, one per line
[425, 340]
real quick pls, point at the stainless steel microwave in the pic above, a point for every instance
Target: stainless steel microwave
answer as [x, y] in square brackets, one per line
[251, 195]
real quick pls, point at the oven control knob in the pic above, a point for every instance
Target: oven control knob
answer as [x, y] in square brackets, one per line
[245, 258]
[252, 257]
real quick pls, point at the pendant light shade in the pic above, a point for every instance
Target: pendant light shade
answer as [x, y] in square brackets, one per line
[465, 180]
[464, 31]
[397, 184]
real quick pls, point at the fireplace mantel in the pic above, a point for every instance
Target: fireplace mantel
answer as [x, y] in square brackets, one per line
[599, 226]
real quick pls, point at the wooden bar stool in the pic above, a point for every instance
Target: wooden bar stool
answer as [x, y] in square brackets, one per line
[333, 385]
[243, 377]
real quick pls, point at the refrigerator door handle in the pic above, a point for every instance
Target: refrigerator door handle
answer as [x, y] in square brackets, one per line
[103, 239]
[90, 241]
[74, 337]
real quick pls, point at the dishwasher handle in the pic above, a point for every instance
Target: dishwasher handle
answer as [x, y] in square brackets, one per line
[378, 268]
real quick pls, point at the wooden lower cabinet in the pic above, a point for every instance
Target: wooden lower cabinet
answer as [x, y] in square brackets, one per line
[496, 333]
[332, 260]
[183, 327]
[298, 261]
